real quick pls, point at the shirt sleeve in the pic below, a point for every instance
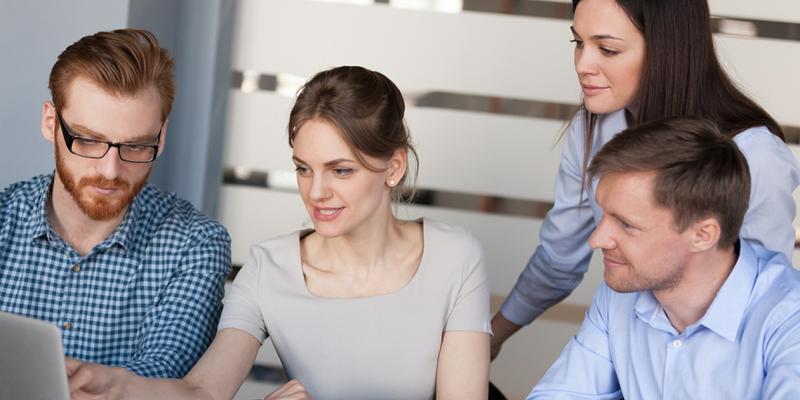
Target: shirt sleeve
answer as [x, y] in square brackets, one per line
[470, 310]
[241, 306]
[179, 328]
[774, 175]
[783, 356]
[584, 369]
[557, 266]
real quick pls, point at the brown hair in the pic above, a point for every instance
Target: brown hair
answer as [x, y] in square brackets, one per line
[700, 173]
[365, 106]
[682, 76]
[123, 62]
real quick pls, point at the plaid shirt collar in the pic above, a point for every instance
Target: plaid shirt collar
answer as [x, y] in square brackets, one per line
[41, 226]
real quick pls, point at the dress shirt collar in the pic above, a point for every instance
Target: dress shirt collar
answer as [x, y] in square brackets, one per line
[41, 226]
[725, 314]
[38, 218]
[649, 310]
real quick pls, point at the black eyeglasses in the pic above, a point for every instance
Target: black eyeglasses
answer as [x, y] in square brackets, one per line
[96, 148]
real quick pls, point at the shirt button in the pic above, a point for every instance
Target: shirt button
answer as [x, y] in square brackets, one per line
[66, 325]
[677, 344]
[76, 268]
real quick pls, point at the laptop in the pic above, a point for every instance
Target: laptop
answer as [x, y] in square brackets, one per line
[31, 360]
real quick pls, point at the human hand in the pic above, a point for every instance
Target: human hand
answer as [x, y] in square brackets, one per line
[495, 349]
[502, 329]
[292, 390]
[89, 381]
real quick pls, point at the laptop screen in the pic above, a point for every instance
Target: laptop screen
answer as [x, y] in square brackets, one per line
[31, 360]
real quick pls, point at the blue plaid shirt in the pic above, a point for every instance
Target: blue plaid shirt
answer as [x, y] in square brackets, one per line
[147, 298]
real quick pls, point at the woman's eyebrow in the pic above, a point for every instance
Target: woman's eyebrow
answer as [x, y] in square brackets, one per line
[596, 37]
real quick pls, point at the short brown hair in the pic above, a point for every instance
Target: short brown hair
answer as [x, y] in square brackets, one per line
[365, 106]
[122, 62]
[699, 172]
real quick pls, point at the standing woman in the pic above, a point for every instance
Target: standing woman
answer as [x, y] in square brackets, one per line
[639, 61]
[365, 305]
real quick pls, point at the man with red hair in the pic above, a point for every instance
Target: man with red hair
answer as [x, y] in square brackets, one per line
[133, 276]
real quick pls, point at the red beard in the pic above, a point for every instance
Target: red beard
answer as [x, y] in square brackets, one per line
[94, 205]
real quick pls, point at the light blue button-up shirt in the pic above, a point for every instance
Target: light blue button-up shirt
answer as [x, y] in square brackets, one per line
[746, 346]
[558, 264]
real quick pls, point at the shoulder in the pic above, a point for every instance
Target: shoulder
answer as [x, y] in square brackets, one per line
[785, 288]
[759, 141]
[21, 201]
[767, 155]
[758, 134]
[272, 269]
[281, 251]
[452, 253]
[778, 285]
[449, 238]
[279, 244]
[776, 313]
[168, 214]
[25, 194]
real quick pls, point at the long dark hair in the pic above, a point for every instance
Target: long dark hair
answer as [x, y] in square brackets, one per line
[682, 76]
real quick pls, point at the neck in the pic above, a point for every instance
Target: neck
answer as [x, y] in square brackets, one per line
[704, 275]
[72, 224]
[366, 247]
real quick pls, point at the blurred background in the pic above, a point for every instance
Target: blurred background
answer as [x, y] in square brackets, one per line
[488, 84]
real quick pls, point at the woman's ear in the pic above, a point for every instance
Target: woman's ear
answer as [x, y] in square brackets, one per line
[397, 167]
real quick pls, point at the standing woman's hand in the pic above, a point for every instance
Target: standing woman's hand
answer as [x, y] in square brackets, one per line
[502, 329]
[292, 390]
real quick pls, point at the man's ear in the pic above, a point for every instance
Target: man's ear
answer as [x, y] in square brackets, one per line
[162, 140]
[49, 121]
[705, 234]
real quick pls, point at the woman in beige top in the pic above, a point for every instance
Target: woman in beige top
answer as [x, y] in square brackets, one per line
[365, 306]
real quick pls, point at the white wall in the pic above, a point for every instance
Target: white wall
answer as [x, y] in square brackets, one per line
[32, 34]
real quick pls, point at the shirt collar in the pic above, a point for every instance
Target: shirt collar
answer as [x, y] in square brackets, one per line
[38, 218]
[122, 235]
[649, 310]
[41, 226]
[724, 315]
[726, 312]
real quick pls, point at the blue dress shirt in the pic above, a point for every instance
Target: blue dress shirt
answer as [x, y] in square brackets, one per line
[147, 298]
[746, 346]
[557, 266]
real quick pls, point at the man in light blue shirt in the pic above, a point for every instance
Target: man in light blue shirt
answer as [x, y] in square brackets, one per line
[557, 266]
[688, 310]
